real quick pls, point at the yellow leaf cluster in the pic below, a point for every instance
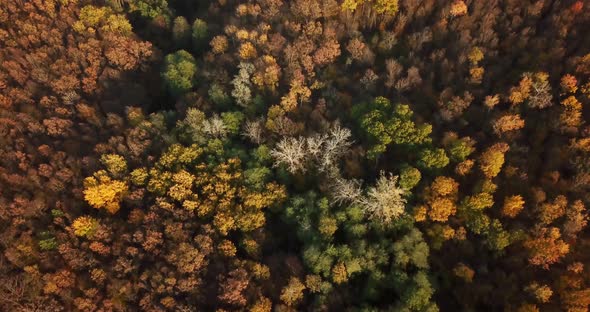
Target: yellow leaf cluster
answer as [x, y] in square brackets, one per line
[492, 160]
[513, 205]
[339, 273]
[92, 17]
[103, 192]
[262, 305]
[522, 92]
[247, 51]
[571, 115]
[227, 248]
[475, 55]
[569, 84]
[219, 44]
[293, 292]
[458, 8]
[441, 199]
[85, 226]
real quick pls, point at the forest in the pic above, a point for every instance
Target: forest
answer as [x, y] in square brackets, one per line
[294, 155]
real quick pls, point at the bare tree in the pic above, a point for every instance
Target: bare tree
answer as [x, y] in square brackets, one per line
[346, 191]
[540, 96]
[215, 127]
[290, 152]
[315, 145]
[384, 202]
[337, 142]
[322, 149]
[253, 131]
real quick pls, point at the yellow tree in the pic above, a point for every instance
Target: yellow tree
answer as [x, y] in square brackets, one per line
[85, 226]
[513, 205]
[441, 198]
[492, 159]
[293, 292]
[102, 192]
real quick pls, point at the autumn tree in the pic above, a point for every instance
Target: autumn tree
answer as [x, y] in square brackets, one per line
[546, 247]
[492, 159]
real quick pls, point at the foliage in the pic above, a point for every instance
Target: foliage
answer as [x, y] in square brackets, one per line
[362, 155]
[149, 8]
[103, 192]
[384, 202]
[85, 226]
[181, 32]
[179, 72]
[385, 124]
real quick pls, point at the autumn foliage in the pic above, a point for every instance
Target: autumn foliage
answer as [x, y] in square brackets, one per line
[269, 155]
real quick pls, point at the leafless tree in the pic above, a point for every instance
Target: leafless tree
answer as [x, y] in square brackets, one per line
[291, 152]
[336, 143]
[384, 202]
[321, 149]
[346, 191]
[214, 127]
[253, 131]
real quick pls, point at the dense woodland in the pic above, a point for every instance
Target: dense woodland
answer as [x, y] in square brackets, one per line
[303, 155]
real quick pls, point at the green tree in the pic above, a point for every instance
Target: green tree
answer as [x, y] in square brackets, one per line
[150, 8]
[433, 158]
[200, 34]
[460, 149]
[179, 72]
[181, 32]
[232, 121]
[409, 177]
[385, 124]
[218, 96]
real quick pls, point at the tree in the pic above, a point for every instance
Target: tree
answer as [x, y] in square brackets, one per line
[219, 44]
[464, 272]
[181, 32]
[550, 211]
[247, 51]
[200, 34]
[324, 150]
[292, 292]
[458, 8]
[85, 226]
[100, 191]
[570, 118]
[452, 106]
[409, 177]
[513, 205]
[441, 198]
[115, 165]
[383, 127]
[150, 8]
[433, 158]
[569, 84]
[459, 149]
[521, 92]
[492, 159]
[540, 96]
[291, 152]
[384, 202]
[507, 123]
[386, 7]
[546, 247]
[541, 292]
[241, 92]
[380, 6]
[576, 219]
[179, 72]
